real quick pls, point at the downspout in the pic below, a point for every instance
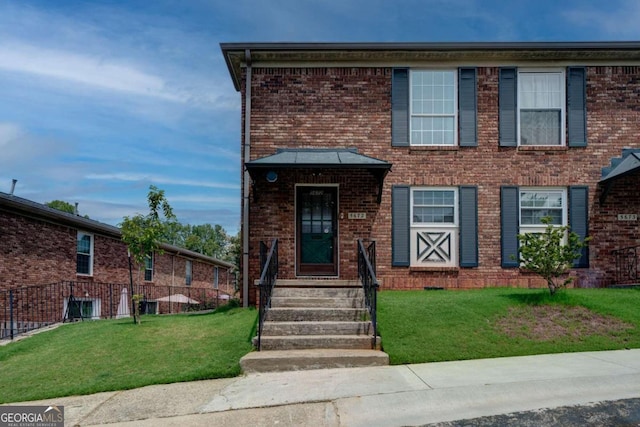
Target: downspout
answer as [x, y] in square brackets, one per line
[246, 178]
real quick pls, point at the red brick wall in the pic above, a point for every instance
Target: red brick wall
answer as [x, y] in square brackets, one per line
[351, 107]
[35, 252]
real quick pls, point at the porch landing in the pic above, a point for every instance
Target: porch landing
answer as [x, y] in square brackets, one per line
[315, 324]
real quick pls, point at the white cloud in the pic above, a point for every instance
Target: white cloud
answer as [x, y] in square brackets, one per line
[9, 132]
[78, 68]
[158, 179]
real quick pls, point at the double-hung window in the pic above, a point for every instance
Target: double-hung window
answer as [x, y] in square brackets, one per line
[433, 107]
[434, 226]
[84, 254]
[522, 210]
[148, 268]
[541, 107]
[188, 277]
[536, 204]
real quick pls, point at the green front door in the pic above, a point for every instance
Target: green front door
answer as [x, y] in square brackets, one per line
[317, 231]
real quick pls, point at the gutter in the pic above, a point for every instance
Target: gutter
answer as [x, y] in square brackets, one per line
[246, 182]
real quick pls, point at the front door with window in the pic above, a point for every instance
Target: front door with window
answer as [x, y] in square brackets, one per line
[317, 231]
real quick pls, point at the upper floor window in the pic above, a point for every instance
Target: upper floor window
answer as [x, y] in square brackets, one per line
[148, 268]
[433, 107]
[188, 272]
[541, 107]
[84, 254]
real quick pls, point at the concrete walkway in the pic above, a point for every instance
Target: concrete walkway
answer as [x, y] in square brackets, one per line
[404, 395]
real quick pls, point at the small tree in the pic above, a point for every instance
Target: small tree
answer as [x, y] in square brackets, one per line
[142, 233]
[548, 256]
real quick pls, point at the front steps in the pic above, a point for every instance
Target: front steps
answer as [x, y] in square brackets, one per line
[315, 324]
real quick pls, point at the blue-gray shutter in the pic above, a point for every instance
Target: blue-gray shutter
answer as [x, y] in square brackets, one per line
[468, 205]
[509, 226]
[400, 223]
[467, 106]
[400, 107]
[579, 219]
[577, 106]
[507, 104]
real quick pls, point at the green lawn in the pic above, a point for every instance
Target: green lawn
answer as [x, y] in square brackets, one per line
[416, 326]
[105, 355]
[427, 326]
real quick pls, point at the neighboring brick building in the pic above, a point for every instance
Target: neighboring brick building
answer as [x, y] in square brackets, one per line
[482, 139]
[41, 245]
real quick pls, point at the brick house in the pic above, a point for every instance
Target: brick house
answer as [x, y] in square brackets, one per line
[41, 245]
[441, 153]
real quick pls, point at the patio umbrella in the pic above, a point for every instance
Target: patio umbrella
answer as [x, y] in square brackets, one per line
[178, 298]
[123, 306]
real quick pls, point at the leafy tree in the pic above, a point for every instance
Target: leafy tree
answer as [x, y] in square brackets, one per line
[207, 239]
[547, 255]
[142, 233]
[63, 206]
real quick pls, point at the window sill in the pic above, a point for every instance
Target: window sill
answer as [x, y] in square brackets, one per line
[419, 148]
[434, 269]
[545, 148]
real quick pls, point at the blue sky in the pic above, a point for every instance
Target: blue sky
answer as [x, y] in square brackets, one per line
[100, 99]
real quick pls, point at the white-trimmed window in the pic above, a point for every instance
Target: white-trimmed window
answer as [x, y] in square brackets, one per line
[216, 277]
[188, 268]
[434, 226]
[433, 107]
[84, 254]
[537, 203]
[541, 107]
[148, 268]
[82, 308]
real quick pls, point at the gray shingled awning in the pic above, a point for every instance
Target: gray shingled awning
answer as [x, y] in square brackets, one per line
[320, 158]
[630, 164]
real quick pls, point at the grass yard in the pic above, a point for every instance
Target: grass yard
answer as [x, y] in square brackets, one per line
[429, 326]
[105, 355]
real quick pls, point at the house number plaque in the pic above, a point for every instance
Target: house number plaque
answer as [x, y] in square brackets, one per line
[627, 217]
[357, 215]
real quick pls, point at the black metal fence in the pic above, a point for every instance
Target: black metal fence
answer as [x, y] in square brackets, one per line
[367, 276]
[627, 262]
[32, 307]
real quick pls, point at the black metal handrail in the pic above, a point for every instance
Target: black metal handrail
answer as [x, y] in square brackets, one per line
[367, 276]
[268, 277]
[627, 262]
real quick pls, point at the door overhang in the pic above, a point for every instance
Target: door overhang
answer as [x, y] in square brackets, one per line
[317, 158]
[629, 164]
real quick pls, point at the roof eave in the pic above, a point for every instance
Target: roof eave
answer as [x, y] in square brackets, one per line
[234, 53]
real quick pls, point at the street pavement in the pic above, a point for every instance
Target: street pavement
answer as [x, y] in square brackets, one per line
[591, 388]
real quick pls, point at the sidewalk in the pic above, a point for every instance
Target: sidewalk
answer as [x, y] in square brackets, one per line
[379, 396]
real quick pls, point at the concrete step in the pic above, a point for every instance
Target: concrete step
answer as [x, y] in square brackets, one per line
[336, 292]
[295, 314]
[318, 283]
[316, 328]
[302, 342]
[317, 302]
[297, 360]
